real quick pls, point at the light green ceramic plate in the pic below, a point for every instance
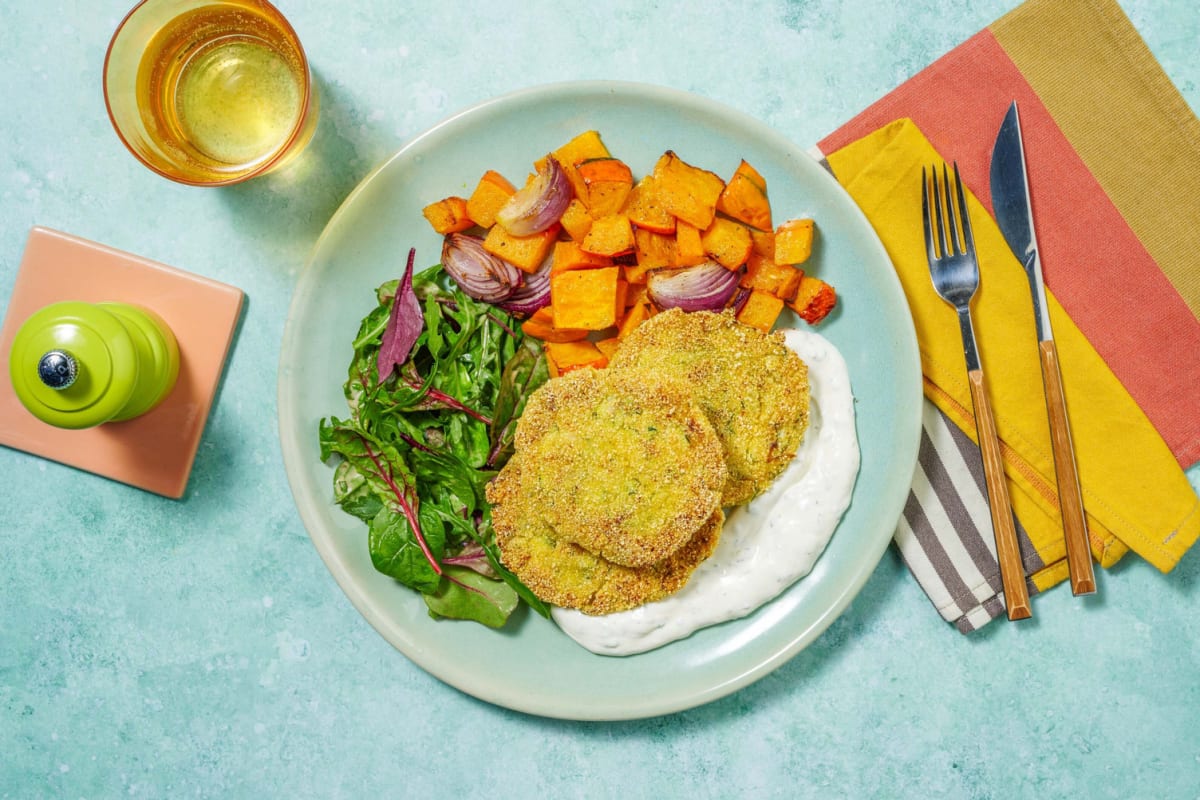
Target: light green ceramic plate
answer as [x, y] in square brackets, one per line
[531, 666]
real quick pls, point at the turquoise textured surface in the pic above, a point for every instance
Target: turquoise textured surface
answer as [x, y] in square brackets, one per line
[200, 648]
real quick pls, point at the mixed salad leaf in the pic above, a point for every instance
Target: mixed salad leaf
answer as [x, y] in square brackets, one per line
[435, 387]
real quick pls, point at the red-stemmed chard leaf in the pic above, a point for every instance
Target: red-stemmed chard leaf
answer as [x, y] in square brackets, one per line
[404, 324]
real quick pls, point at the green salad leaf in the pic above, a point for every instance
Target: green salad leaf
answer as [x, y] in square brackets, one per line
[418, 448]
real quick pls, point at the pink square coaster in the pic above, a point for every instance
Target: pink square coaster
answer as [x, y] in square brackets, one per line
[156, 450]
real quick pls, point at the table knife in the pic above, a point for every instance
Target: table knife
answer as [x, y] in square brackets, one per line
[1014, 215]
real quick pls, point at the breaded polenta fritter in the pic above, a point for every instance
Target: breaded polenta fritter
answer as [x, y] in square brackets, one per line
[567, 575]
[624, 465]
[751, 386]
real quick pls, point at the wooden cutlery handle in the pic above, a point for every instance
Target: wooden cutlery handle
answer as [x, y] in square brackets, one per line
[1070, 498]
[1008, 552]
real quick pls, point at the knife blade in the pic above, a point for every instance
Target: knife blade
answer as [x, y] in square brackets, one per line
[1014, 215]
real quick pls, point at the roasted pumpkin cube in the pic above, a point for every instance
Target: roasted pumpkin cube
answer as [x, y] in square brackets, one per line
[781, 280]
[541, 326]
[576, 220]
[490, 195]
[746, 202]
[635, 273]
[653, 250]
[727, 242]
[636, 294]
[569, 255]
[750, 173]
[689, 250]
[634, 316]
[687, 192]
[524, 252]
[585, 298]
[608, 183]
[609, 236]
[583, 147]
[448, 215]
[764, 243]
[760, 310]
[794, 241]
[814, 300]
[645, 209]
[608, 346]
[567, 356]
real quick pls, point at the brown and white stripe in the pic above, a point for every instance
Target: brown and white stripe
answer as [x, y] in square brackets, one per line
[945, 535]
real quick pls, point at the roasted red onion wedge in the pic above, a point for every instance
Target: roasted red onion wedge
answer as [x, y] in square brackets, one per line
[476, 271]
[539, 204]
[532, 294]
[704, 287]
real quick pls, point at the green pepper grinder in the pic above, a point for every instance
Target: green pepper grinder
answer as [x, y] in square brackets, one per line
[77, 365]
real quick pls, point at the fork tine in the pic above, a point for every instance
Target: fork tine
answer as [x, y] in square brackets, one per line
[925, 217]
[968, 237]
[951, 215]
[938, 213]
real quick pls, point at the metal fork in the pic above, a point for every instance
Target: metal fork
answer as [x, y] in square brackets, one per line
[955, 271]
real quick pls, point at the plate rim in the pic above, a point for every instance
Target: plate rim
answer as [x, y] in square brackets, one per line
[464, 680]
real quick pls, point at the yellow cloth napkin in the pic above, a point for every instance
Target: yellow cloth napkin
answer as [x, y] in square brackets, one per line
[1135, 493]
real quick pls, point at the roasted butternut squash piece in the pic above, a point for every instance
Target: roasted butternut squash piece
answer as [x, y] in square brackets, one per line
[524, 252]
[576, 220]
[687, 192]
[654, 250]
[814, 300]
[541, 326]
[608, 183]
[569, 255]
[634, 273]
[728, 242]
[746, 202]
[750, 173]
[794, 241]
[760, 310]
[448, 215]
[609, 236]
[583, 147]
[645, 209]
[634, 316]
[567, 356]
[608, 346]
[764, 243]
[689, 250]
[781, 280]
[490, 195]
[585, 298]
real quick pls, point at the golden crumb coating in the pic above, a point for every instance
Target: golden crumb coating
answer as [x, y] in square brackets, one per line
[622, 464]
[567, 575]
[752, 387]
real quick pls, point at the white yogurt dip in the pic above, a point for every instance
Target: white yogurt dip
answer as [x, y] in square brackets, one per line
[766, 545]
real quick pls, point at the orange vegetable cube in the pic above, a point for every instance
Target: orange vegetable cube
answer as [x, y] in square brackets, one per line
[760, 310]
[653, 250]
[750, 173]
[608, 346]
[746, 202]
[814, 300]
[609, 236]
[634, 316]
[645, 209]
[781, 280]
[764, 243]
[448, 215]
[636, 294]
[569, 255]
[687, 192]
[585, 298]
[541, 326]
[728, 242]
[689, 250]
[634, 273]
[567, 356]
[576, 220]
[794, 241]
[608, 182]
[619, 306]
[524, 252]
[490, 195]
[583, 147]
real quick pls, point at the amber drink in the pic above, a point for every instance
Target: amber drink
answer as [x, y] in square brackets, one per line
[207, 92]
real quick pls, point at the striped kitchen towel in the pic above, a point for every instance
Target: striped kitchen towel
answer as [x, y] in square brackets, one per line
[1114, 161]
